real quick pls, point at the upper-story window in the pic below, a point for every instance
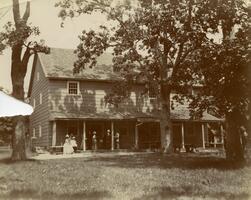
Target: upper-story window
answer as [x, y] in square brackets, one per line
[73, 87]
[38, 76]
[40, 98]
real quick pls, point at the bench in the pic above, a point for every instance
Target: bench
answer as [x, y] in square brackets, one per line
[56, 149]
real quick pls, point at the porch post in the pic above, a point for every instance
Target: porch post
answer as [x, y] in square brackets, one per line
[215, 141]
[112, 136]
[54, 133]
[84, 136]
[203, 135]
[206, 133]
[222, 135]
[136, 137]
[182, 137]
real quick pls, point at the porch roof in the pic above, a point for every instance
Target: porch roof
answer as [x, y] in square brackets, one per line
[104, 116]
[184, 115]
[176, 115]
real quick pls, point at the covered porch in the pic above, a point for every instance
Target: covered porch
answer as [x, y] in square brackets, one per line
[190, 134]
[112, 130]
[110, 133]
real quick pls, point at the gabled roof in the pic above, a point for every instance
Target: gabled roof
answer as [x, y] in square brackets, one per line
[59, 63]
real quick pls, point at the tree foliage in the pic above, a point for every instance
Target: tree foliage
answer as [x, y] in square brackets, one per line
[170, 45]
[149, 38]
[226, 79]
[6, 129]
[20, 32]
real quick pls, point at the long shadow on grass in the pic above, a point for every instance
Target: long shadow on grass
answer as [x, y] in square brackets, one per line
[10, 161]
[167, 161]
[32, 194]
[186, 191]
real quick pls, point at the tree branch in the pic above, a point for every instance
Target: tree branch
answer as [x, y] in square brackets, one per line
[181, 47]
[170, 59]
[188, 27]
[16, 11]
[27, 12]
[185, 55]
[25, 59]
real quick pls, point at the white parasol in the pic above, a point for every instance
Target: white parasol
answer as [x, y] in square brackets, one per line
[10, 106]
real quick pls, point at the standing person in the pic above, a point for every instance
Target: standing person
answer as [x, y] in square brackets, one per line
[67, 148]
[74, 144]
[117, 140]
[244, 136]
[108, 139]
[94, 141]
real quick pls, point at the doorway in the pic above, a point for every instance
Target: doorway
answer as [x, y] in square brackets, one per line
[149, 135]
[103, 140]
[177, 136]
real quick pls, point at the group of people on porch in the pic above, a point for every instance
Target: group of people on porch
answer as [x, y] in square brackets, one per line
[105, 141]
[70, 145]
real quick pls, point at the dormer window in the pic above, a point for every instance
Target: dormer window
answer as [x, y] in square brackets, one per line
[73, 87]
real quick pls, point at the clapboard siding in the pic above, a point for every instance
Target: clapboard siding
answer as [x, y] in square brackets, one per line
[40, 115]
[91, 98]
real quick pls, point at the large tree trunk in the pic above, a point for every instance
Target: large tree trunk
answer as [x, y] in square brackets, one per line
[18, 140]
[234, 148]
[19, 64]
[18, 71]
[165, 121]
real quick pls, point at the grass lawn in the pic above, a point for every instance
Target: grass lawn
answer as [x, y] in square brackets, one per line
[141, 176]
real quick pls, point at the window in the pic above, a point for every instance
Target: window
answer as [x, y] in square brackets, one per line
[34, 133]
[34, 102]
[152, 92]
[40, 98]
[40, 130]
[73, 87]
[38, 76]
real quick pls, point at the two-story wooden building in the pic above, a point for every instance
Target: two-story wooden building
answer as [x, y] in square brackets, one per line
[74, 104]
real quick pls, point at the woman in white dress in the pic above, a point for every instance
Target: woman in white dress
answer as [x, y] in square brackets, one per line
[67, 149]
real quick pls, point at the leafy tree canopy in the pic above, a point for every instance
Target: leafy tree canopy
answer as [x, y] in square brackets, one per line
[20, 31]
[168, 45]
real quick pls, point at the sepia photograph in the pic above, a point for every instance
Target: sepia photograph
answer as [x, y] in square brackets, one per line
[125, 99]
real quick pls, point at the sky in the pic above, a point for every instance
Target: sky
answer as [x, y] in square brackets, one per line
[44, 15]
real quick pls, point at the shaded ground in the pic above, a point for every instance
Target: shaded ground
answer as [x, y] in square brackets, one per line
[140, 176]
